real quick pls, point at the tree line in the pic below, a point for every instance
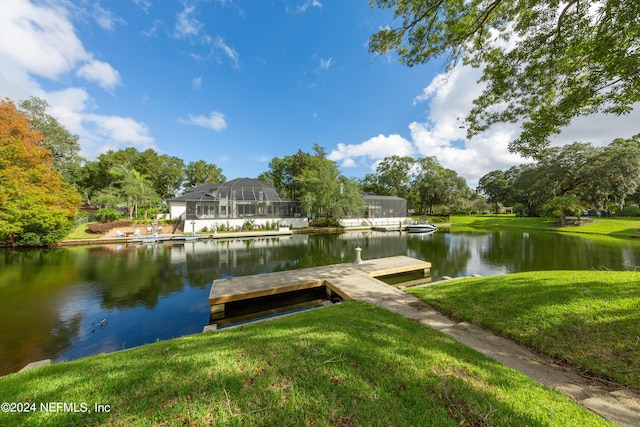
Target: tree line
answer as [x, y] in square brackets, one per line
[44, 180]
[569, 179]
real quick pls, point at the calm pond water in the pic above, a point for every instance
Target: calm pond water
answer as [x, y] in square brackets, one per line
[52, 302]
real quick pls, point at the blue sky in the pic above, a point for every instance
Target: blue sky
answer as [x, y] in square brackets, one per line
[237, 83]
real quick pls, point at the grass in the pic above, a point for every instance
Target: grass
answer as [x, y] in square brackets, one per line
[348, 365]
[589, 319]
[80, 232]
[619, 227]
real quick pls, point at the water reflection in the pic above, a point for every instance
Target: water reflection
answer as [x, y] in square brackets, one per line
[52, 301]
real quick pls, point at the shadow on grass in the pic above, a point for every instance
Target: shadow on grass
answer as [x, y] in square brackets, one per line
[352, 364]
[589, 319]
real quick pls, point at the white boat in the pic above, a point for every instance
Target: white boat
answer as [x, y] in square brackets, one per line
[421, 228]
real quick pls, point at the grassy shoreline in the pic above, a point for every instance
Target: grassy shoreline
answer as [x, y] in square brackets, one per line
[351, 364]
[616, 227]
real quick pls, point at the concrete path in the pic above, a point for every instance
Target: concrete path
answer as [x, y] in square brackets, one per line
[621, 406]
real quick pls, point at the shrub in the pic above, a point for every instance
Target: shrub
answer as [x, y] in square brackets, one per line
[249, 224]
[103, 227]
[325, 222]
[107, 214]
[630, 210]
[272, 225]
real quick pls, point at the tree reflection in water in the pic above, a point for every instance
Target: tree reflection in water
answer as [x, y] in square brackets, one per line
[51, 299]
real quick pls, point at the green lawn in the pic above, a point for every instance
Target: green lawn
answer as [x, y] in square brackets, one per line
[622, 227]
[589, 319]
[80, 232]
[348, 365]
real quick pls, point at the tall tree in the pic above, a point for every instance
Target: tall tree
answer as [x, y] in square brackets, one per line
[544, 62]
[316, 182]
[135, 188]
[611, 175]
[496, 186]
[165, 172]
[62, 144]
[566, 165]
[201, 172]
[392, 177]
[435, 185]
[36, 205]
[324, 192]
[561, 206]
[282, 174]
[533, 187]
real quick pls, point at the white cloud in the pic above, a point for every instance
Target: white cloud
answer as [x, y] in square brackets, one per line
[101, 73]
[303, 7]
[186, 24]
[68, 106]
[38, 42]
[105, 18]
[196, 82]
[121, 129]
[228, 51]
[325, 64]
[215, 121]
[145, 5]
[600, 129]
[39, 39]
[375, 148]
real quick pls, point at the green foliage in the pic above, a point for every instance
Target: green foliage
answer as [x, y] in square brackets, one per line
[107, 214]
[563, 206]
[630, 210]
[316, 182]
[62, 144]
[283, 172]
[325, 223]
[392, 177]
[201, 172]
[434, 185]
[165, 174]
[599, 176]
[36, 205]
[496, 187]
[249, 224]
[544, 63]
[272, 225]
[427, 185]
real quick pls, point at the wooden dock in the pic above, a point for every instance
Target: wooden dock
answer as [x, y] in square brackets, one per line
[348, 281]
[396, 227]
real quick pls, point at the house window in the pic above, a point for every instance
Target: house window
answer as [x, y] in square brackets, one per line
[246, 210]
[205, 211]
